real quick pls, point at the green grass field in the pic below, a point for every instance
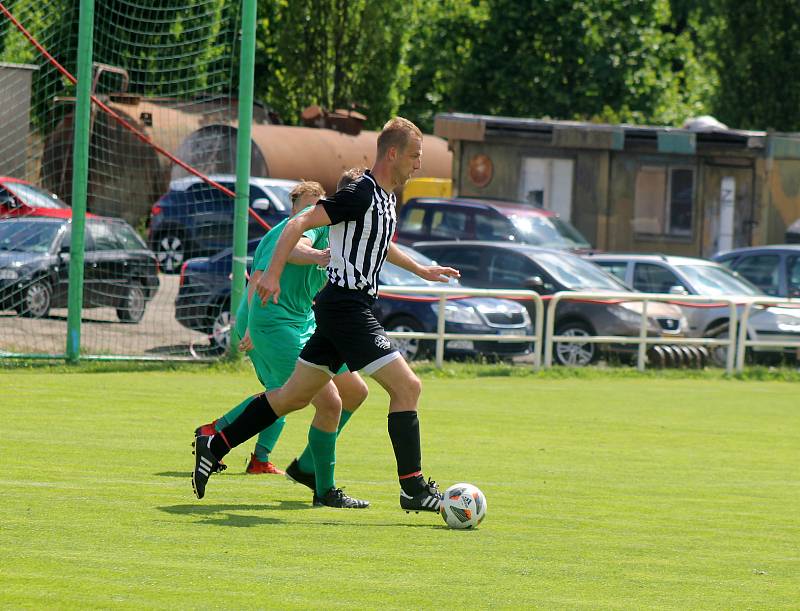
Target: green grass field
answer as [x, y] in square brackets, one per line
[603, 493]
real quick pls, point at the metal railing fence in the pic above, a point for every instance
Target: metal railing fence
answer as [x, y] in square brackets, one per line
[742, 341]
[642, 339]
[446, 294]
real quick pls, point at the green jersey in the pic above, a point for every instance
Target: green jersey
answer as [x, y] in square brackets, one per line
[299, 285]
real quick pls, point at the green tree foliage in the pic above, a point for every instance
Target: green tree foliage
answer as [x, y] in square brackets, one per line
[759, 52]
[443, 35]
[591, 59]
[335, 53]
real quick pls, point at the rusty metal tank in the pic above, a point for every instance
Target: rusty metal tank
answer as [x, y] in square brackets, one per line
[126, 175]
[281, 151]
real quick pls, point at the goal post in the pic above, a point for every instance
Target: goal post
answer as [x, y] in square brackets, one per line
[109, 105]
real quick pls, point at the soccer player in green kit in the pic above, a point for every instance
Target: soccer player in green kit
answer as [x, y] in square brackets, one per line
[273, 335]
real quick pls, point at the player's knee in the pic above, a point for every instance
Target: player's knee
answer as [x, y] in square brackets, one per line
[354, 396]
[415, 387]
[408, 389]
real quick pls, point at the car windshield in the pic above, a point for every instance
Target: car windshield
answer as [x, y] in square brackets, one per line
[577, 274]
[36, 197]
[397, 276]
[283, 197]
[711, 280]
[548, 232]
[27, 236]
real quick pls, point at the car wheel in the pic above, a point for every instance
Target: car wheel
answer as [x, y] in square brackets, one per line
[36, 300]
[411, 349]
[220, 337]
[170, 252]
[575, 354]
[718, 355]
[133, 304]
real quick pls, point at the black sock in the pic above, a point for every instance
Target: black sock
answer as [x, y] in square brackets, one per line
[404, 433]
[257, 416]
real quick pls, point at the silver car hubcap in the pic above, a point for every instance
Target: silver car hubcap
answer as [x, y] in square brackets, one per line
[170, 253]
[221, 331]
[37, 300]
[135, 303]
[575, 354]
[407, 347]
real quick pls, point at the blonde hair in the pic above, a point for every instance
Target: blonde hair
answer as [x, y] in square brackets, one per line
[348, 177]
[396, 133]
[307, 187]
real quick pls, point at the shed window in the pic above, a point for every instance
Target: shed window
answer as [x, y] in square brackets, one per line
[664, 202]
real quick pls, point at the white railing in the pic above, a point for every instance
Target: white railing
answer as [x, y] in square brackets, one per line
[642, 339]
[742, 340]
[445, 292]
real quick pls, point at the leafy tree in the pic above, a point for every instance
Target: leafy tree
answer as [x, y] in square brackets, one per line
[335, 53]
[589, 59]
[757, 44]
[442, 39]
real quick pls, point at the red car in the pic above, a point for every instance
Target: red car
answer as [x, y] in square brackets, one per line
[20, 198]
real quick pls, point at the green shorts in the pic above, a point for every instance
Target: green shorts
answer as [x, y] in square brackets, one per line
[275, 351]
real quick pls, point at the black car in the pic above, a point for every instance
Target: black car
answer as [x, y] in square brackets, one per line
[773, 269]
[119, 270]
[194, 219]
[203, 304]
[505, 265]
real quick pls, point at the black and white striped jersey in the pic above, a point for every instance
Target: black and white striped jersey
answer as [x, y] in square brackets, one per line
[363, 220]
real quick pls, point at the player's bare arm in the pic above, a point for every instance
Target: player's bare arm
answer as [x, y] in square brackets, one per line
[268, 285]
[302, 254]
[434, 273]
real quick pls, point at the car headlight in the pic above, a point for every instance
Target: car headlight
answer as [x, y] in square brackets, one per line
[626, 313]
[8, 274]
[458, 313]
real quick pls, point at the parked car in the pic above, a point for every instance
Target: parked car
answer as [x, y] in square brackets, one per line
[119, 271]
[194, 219]
[429, 219]
[773, 269]
[506, 265]
[20, 198]
[203, 304]
[691, 276]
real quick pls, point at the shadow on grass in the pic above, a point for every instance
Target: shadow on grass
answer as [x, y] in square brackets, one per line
[222, 515]
[182, 474]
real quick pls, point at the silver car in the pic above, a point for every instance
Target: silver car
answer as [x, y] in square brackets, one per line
[691, 276]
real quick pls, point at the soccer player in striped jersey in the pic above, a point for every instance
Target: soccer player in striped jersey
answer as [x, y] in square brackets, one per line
[273, 336]
[362, 220]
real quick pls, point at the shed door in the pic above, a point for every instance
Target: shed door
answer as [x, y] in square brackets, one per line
[547, 183]
[729, 216]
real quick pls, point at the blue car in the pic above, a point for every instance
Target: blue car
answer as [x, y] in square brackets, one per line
[203, 304]
[194, 219]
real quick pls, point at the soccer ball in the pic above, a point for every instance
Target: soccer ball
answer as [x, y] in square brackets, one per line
[463, 506]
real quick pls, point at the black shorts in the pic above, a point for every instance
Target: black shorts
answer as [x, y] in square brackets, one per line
[347, 333]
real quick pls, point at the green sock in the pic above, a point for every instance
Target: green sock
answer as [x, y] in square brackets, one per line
[233, 414]
[306, 459]
[268, 438]
[323, 447]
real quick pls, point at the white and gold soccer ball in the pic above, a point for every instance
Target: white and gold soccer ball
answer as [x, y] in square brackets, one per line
[463, 506]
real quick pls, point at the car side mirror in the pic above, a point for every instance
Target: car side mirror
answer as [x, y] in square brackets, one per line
[262, 204]
[534, 283]
[677, 289]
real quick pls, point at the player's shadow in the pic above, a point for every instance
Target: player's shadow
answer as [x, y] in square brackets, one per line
[183, 474]
[223, 514]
